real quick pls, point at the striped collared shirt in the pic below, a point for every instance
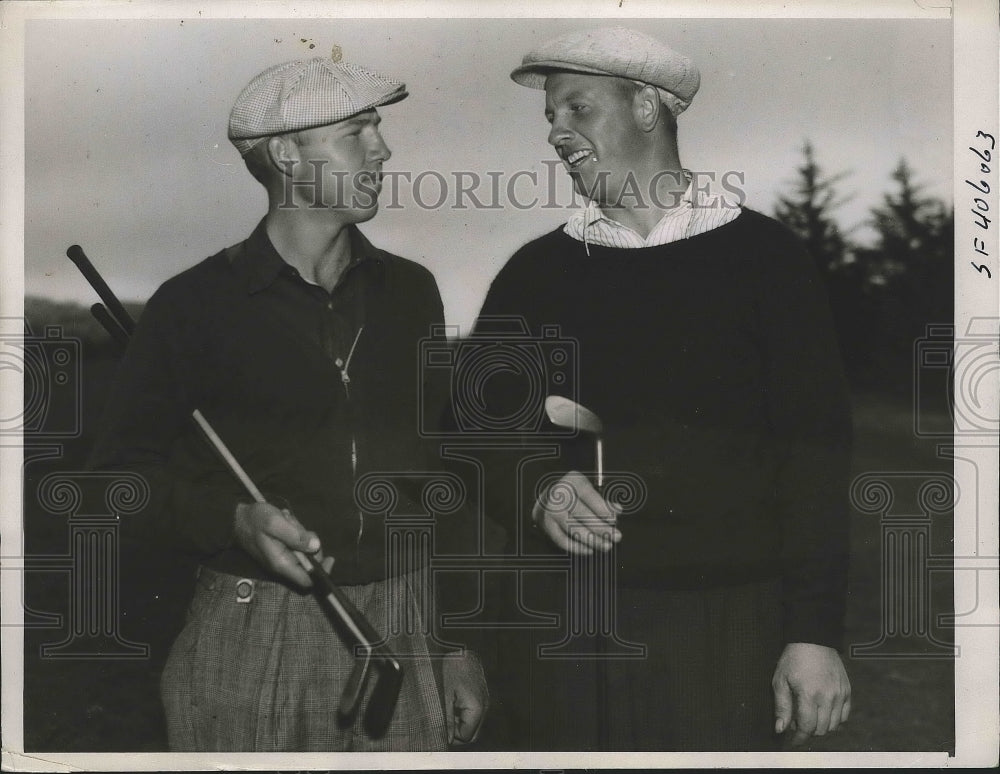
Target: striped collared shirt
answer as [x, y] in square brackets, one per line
[592, 227]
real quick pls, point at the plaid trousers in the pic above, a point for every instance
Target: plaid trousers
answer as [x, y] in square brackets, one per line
[265, 674]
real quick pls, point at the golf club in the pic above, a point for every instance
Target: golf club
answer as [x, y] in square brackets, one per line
[341, 612]
[564, 412]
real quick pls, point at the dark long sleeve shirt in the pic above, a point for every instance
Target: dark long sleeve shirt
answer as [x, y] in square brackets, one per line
[262, 353]
[713, 365]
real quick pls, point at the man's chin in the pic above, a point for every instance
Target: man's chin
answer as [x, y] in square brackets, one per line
[364, 214]
[586, 188]
[362, 208]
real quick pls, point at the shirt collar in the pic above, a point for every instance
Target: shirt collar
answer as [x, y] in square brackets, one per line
[697, 212]
[258, 264]
[593, 214]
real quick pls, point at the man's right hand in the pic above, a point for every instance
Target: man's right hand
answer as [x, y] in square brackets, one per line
[575, 516]
[270, 534]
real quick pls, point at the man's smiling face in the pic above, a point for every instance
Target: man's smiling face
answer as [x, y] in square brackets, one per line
[593, 131]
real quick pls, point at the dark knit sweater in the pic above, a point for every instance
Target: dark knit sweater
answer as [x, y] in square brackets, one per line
[242, 337]
[713, 365]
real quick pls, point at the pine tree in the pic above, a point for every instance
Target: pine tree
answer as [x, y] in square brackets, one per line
[914, 249]
[909, 270]
[808, 212]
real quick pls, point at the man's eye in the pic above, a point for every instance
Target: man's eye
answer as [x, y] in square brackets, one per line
[577, 107]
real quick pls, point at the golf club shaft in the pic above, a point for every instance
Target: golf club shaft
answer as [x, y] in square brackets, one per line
[110, 324]
[122, 317]
[329, 591]
[119, 324]
[600, 463]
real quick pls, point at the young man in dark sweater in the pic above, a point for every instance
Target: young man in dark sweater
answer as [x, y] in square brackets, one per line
[299, 346]
[705, 347]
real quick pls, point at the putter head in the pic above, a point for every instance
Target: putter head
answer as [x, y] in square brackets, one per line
[563, 412]
[382, 704]
[357, 681]
[358, 633]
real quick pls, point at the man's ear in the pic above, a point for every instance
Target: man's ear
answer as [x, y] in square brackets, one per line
[283, 153]
[647, 108]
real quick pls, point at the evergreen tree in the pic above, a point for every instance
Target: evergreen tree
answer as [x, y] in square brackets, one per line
[909, 271]
[808, 211]
[914, 250]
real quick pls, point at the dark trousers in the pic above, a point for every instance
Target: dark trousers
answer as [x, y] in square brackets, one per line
[703, 682]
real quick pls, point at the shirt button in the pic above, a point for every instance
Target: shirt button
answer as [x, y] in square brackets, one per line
[329, 305]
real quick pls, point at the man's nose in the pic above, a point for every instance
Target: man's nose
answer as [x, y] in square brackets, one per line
[558, 132]
[379, 150]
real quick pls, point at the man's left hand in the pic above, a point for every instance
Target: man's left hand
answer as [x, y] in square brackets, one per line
[812, 694]
[466, 697]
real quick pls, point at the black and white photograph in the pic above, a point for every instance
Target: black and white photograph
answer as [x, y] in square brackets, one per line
[593, 385]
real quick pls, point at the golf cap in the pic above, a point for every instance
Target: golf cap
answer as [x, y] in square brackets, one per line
[619, 52]
[304, 94]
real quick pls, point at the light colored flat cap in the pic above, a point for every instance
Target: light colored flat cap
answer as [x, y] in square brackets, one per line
[616, 51]
[301, 95]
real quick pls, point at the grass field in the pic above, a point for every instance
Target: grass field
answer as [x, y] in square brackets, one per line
[900, 703]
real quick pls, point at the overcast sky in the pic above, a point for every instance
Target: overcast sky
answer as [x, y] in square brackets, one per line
[126, 149]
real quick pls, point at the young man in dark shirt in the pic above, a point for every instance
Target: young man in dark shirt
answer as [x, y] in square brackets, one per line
[706, 349]
[300, 346]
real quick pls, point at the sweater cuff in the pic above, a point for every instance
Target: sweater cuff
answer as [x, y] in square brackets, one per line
[816, 625]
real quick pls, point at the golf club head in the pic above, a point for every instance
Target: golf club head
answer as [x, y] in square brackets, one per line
[382, 704]
[563, 412]
[357, 681]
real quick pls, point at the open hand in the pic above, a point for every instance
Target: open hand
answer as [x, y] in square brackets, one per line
[575, 516]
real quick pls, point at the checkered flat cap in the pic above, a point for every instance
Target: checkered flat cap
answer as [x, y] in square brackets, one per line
[619, 52]
[301, 95]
